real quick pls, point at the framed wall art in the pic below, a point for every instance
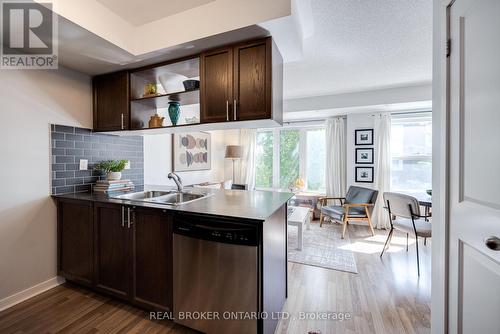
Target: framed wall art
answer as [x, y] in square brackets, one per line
[191, 151]
[364, 174]
[363, 137]
[364, 156]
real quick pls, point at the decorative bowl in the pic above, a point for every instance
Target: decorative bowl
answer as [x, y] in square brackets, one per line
[191, 84]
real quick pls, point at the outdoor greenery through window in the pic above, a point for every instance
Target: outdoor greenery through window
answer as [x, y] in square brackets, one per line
[264, 159]
[411, 146]
[289, 158]
[284, 156]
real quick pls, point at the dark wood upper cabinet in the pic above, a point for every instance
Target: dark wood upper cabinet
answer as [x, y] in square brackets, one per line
[111, 102]
[238, 82]
[152, 259]
[216, 86]
[112, 250]
[75, 240]
[252, 81]
[254, 74]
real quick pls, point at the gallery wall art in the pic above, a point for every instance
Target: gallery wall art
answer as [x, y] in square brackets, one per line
[191, 151]
[364, 155]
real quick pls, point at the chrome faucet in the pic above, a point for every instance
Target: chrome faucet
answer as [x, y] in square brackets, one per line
[177, 180]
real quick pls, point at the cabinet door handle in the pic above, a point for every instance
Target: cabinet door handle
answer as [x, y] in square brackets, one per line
[123, 126]
[123, 216]
[234, 109]
[128, 217]
[227, 110]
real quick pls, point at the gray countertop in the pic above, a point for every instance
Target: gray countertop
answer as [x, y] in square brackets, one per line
[256, 205]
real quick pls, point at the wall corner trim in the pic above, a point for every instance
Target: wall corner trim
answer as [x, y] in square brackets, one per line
[23, 295]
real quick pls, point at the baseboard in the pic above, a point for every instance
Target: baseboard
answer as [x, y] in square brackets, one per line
[30, 292]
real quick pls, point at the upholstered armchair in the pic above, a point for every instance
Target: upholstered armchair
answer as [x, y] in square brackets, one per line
[357, 205]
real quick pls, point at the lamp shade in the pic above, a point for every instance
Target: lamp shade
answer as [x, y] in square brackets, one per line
[233, 152]
[300, 183]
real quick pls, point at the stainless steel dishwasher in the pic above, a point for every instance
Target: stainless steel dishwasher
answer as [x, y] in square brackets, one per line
[216, 275]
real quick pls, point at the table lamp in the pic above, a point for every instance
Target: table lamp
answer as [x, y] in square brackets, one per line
[233, 152]
[299, 183]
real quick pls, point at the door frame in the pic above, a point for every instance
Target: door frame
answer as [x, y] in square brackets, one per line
[440, 167]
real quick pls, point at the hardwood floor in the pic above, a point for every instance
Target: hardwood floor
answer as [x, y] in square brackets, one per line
[386, 296]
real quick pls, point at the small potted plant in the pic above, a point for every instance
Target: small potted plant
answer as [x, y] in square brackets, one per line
[112, 168]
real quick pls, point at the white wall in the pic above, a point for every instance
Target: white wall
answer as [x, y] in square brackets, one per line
[158, 160]
[29, 101]
[354, 122]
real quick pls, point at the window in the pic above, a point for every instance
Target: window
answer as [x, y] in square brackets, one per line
[411, 146]
[285, 155]
[316, 160]
[289, 158]
[264, 159]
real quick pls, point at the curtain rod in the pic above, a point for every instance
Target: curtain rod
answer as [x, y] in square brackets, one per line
[345, 116]
[313, 120]
[411, 112]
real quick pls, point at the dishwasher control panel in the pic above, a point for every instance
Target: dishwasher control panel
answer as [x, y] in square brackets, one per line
[218, 231]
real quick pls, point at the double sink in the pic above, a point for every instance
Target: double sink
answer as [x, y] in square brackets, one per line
[163, 197]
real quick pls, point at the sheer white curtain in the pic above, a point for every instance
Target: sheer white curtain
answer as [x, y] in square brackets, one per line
[383, 163]
[336, 176]
[247, 170]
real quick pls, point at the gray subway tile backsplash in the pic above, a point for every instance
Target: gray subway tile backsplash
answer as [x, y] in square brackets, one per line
[70, 144]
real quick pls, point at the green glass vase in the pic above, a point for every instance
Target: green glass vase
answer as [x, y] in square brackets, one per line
[174, 111]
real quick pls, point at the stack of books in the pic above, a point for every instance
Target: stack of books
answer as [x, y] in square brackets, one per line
[105, 186]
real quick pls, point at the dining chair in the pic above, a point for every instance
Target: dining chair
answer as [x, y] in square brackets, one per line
[357, 205]
[404, 216]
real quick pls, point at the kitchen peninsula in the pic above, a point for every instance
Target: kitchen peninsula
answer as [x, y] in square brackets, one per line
[223, 252]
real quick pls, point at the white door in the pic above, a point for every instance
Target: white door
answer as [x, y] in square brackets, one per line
[474, 77]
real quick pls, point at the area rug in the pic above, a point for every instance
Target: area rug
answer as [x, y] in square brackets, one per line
[321, 248]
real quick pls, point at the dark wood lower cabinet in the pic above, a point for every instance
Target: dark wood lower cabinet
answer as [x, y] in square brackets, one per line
[100, 248]
[112, 250]
[75, 240]
[152, 256]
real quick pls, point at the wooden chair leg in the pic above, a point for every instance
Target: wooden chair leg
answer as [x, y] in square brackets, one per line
[321, 218]
[369, 220]
[344, 228]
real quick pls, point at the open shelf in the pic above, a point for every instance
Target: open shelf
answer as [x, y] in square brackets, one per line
[189, 68]
[168, 78]
[162, 100]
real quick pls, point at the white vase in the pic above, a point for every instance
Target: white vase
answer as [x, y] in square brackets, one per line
[114, 176]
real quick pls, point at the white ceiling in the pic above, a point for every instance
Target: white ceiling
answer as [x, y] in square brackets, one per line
[360, 45]
[330, 47]
[145, 11]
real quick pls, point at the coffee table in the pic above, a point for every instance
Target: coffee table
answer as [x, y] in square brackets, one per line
[298, 216]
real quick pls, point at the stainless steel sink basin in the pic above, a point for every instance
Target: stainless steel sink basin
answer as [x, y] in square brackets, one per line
[178, 198]
[143, 195]
[163, 197]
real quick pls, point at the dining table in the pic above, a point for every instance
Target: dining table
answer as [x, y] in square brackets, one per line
[424, 199]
